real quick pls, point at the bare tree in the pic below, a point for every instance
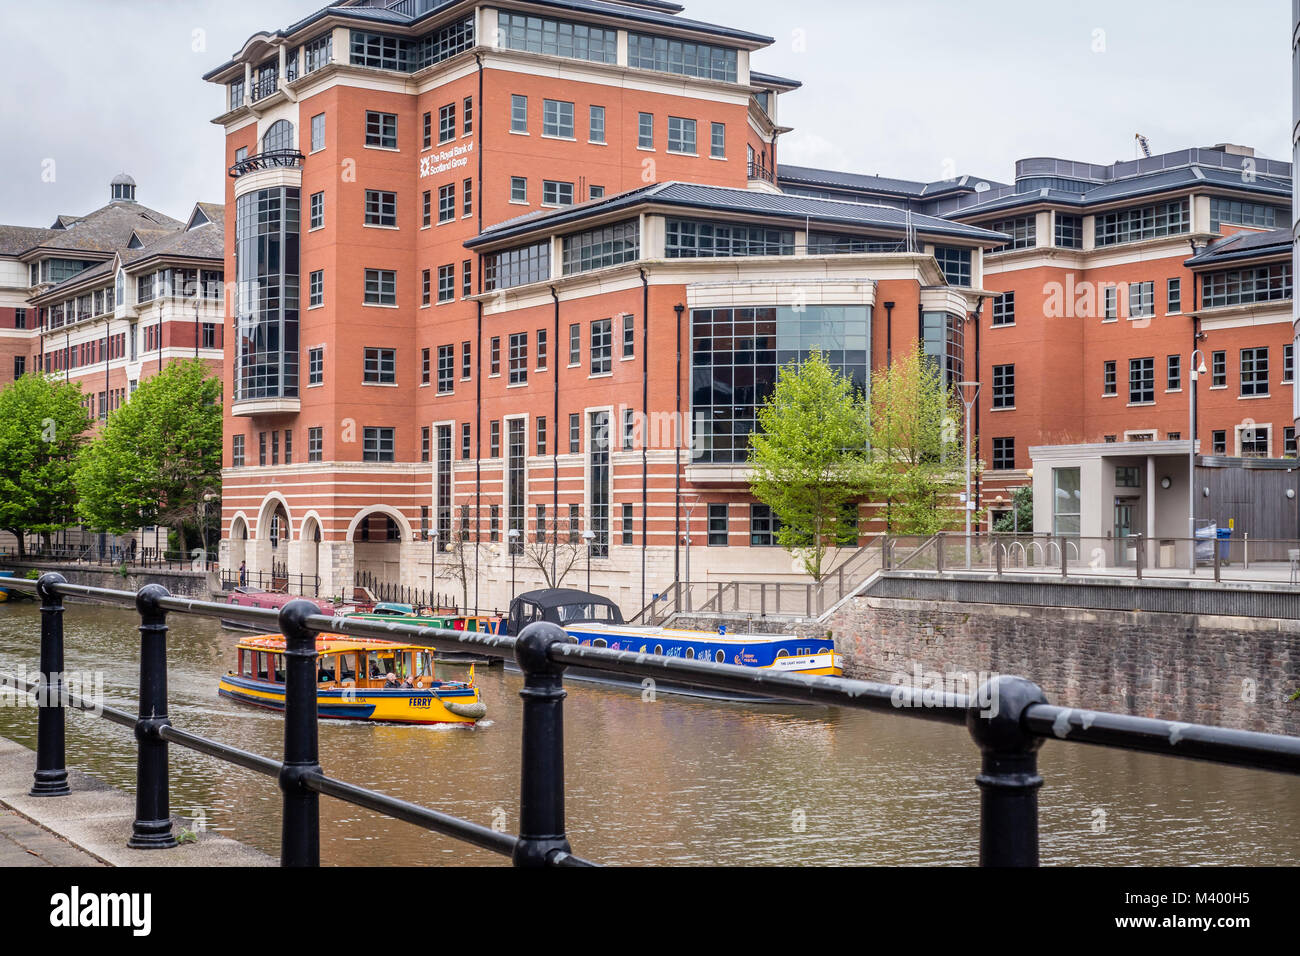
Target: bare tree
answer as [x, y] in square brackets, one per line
[554, 551]
[460, 564]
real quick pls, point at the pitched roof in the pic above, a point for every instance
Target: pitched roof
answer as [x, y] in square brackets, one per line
[725, 199]
[1243, 245]
[15, 240]
[107, 228]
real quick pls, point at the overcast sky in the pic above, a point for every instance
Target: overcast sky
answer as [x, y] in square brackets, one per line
[917, 89]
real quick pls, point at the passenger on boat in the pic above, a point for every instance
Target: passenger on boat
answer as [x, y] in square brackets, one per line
[391, 682]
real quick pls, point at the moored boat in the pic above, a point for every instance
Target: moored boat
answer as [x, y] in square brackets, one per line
[439, 618]
[357, 679]
[4, 595]
[598, 622]
[268, 600]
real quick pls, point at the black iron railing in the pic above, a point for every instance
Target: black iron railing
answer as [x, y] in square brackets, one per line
[404, 594]
[290, 158]
[116, 555]
[1009, 719]
[305, 585]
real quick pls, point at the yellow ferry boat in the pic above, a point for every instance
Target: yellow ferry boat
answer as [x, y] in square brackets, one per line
[357, 679]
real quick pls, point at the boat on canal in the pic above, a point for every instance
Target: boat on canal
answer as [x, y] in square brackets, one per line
[4, 595]
[271, 601]
[353, 681]
[597, 622]
[447, 620]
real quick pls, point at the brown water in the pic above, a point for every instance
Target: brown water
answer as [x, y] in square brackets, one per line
[679, 780]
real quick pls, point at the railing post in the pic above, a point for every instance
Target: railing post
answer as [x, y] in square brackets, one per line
[938, 553]
[762, 600]
[541, 778]
[1141, 555]
[997, 558]
[1008, 778]
[152, 828]
[300, 821]
[1065, 557]
[51, 777]
[1218, 560]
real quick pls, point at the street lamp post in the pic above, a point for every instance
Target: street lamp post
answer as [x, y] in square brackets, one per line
[588, 536]
[513, 535]
[968, 403]
[1196, 372]
[433, 570]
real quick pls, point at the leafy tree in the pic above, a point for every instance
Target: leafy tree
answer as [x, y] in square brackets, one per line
[809, 458]
[42, 435]
[1021, 518]
[158, 455]
[917, 447]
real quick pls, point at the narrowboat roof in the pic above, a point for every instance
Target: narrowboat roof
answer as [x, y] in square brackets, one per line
[330, 644]
[558, 597]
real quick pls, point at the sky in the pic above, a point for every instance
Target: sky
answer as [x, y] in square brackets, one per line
[914, 89]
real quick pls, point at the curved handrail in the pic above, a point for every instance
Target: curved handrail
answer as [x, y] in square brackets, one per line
[290, 158]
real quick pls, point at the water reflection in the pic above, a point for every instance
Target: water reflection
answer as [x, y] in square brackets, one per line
[677, 781]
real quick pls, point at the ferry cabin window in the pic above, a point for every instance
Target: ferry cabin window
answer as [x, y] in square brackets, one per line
[423, 664]
[720, 657]
[600, 642]
[348, 667]
[277, 661]
[246, 663]
[261, 665]
[690, 653]
[782, 653]
[326, 668]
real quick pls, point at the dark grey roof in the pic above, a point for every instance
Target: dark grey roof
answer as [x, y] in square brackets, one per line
[107, 228]
[808, 176]
[18, 239]
[758, 79]
[705, 199]
[1243, 245]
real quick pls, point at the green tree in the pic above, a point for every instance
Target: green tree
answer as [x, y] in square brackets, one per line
[1021, 517]
[809, 460]
[917, 447]
[42, 435]
[158, 455]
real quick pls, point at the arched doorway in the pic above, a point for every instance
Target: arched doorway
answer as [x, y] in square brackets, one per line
[377, 535]
[238, 549]
[273, 531]
[309, 549]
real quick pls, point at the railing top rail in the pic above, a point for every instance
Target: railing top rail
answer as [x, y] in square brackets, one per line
[1072, 725]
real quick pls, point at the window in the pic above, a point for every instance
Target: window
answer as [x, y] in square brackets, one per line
[718, 144]
[1269, 283]
[1021, 229]
[518, 358]
[557, 119]
[1066, 501]
[1288, 364]
[600, 247]
[1254, 440]
[1069, 231]
[1174, 295]
[1110, 303]
[427, 139]
[467, 116]
[1218, 370]
[517, 31]
[629, 336]
[20, 366]
[467, 198]
[518, 189]
[426, 210]
[1004, 386]
[261, 436]
[237, 451]
[1174, 372]
[518, 266]
[1141, 300]
[1141, 380]
[692, 238]
[315, 366]
[317, 210]
[718, 525]
[518, 113]
[465, 445]
[596, 124]
[381, 129]
[494, 355]
[1004, 454]
[316, 289]
[424, 443]
[494, 439]
[681, 135]
[1004, 309]
[446, 203]
[1128, 476]
[1143, 222]
[425, 370]
[601, 346]
[955, 264]
[1288, 442]
[381, 366]
[381, 287]
[1239, 213]
[575, 344]
[629, 429]
[629, 528]
[494, 525]
[541, 435]
[447, 123]
[541, 349]
[446, 283]
[595, 192]
[466, 275]
[315, 443]
[645, 130]
[446, 369]
[466, 360]
[683, 57]
[318, 132]
[377, 444]
[425, 291]
[1219, 441]
[763, 526]
[1254, 371]
[575, 434]
[20, 315]
[557, 193]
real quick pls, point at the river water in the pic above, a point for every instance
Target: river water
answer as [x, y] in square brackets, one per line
[675, 781]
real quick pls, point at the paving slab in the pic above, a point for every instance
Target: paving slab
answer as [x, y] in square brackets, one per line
[93, 821]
